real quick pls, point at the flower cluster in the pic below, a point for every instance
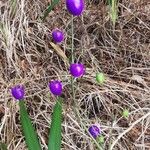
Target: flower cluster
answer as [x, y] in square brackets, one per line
[76, 70]
[75, 7]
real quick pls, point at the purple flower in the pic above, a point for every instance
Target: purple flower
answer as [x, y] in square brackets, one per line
[75, 7]
[57, 35]
[18, 92]
[77, 70]
[94, 131]
[55, 87]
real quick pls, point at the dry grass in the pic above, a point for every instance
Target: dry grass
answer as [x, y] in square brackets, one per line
[123, 54]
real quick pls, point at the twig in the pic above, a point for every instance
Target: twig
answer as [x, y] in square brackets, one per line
[127, 130]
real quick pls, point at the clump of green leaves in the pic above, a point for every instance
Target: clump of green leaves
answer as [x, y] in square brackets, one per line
[31, 136]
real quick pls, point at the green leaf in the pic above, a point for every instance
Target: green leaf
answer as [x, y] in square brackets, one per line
[31, 137]
[3, 146]
[54, 142]
[49, 9]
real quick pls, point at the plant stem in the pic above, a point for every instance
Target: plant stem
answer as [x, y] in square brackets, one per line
[72, 38]
[72, 61]
[73, 90]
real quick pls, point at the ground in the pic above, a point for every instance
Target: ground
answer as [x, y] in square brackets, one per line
[28, 56]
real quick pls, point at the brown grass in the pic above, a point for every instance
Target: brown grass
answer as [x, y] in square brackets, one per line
[123, 54]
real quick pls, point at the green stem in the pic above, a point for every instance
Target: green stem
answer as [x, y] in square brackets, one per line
[72, 61]
[73, 90]
[110, 143]
[72, 44]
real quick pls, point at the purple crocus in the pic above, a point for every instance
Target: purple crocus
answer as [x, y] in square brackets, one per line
[75, 7]
[18, 92]
[55, 87]
[94, 131]
[77, 69]
[57, 35]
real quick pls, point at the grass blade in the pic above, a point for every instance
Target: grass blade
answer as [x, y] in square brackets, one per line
[113, 5]
[109, 2]
[49, 9]
[114, 12]
[28, 130]
[3, 146]
[13, 8]
[54, 142]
